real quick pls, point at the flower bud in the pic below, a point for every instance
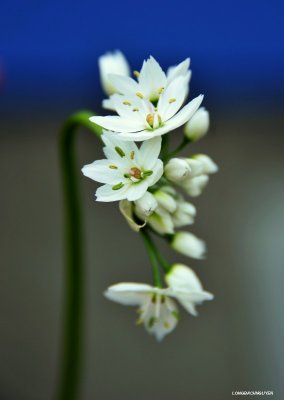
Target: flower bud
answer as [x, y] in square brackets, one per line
[209, 166]
[196, 167]
[184, 214]
[177, 169]
[195, 186]
[161, 222]
[189, 245]
[198, 125]
[112, 63]
[165, 201]
[146, 205]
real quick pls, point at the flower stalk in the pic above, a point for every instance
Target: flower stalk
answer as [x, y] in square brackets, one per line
[74, 261]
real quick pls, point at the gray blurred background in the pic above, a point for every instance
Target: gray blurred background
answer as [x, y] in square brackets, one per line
[236, 343]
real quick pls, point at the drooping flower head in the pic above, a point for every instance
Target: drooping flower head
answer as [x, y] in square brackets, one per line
[127, 171]
[158, 311]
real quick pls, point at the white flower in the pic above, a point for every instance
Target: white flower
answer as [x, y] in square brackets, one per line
[112, 63]
[157, 311]
[165, 200]
[138, 117]
[177, 169]
[209, 166]
[128, 171]
[184, 278]
[151, 81]
[198, 125]
[188, 244]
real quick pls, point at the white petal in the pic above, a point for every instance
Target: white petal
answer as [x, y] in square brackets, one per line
[178, 70]
[152, 78]
[106, 193]
[123, 84]
[149, 152]
[158, 170]
[119, 124]
[172, 98]
[161, 222]
[132, 294]
[183, 277]
[137, 190]
[112, 63]
[100, 171]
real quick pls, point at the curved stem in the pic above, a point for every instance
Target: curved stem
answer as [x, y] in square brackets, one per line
[73, 307]
[151, 249]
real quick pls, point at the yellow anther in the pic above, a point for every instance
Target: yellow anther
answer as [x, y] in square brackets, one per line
[172, 100]
[136, 73]
[127, 103]
[167, 325]
[112, 166]
[161, 89]
[135, 109]
[132, 154]
[150, 119]
[139, 94]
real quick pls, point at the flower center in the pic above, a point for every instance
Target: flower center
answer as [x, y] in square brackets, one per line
[135, 173]
[154, 120]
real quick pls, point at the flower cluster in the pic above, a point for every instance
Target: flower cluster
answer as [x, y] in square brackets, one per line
[150, 182]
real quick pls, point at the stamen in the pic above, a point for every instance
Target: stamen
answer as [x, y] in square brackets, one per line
[139, 94]
[147, 173]
[151, 322]
[136, 73]
[112, 166]
[127, 176]
[135, 109]
[119, 151]
[172, 100]
[167, 325]
[132, 154]
[150, 119]
[118, 186]
[127, 103]
[160, 91]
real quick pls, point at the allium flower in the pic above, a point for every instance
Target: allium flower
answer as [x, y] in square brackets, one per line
[128, 170]
[188, 244]
[157, 311]
[112, 63]
[151, 107]
[151, 81]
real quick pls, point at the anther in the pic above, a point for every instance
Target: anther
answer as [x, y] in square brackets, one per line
[119, 151]
[135, 109]
[118, 186]
[132, 154]
[139, 94]
[172, 100]
[127, 103]
[136, 73]
[112, 166]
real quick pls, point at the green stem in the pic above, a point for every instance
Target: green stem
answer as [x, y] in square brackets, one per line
[151, 249]
[74, 263]
[181, 146]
